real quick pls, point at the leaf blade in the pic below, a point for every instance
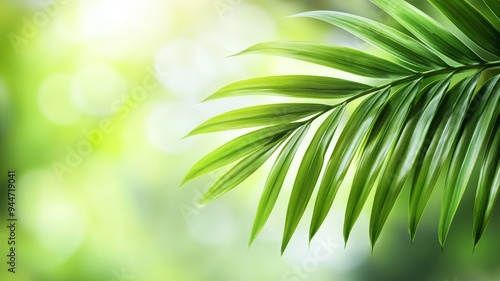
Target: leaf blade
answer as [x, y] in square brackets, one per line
[476, 132]
[494, 7]
[308, 173]
[401, 161]
[488, 188]
[294, 86]
[471, 22]
[238, 148]
[381, 141]
[337, 57]
[345, 149]
[415, 55]
[442, 139]
[261, 115]
[239, 172]
[275, 181]
[429, 31]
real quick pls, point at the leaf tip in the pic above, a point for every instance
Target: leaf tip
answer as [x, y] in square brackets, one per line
[373, 241]
[347, 232]
[250, 242]
[189, 176]
[284, 243]
[299, 15]
[313, 229]
[282, 250]
[190, 134]
[476, 241]
[184, 181]
[412, 237]
[238, 53]
[253, 235]
[211, 97]
[203, 202]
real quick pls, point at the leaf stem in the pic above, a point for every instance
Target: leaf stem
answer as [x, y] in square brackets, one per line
[410, 78]
[427, 74]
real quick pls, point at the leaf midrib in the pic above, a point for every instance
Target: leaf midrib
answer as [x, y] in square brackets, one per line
[411, 78]
[426, 74]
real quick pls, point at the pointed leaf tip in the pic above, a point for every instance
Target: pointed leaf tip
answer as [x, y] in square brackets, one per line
[347, 145]
[275, 180]
[337, 57]
[238, 148]
[292, 86]
[309, 171]
[241, 171]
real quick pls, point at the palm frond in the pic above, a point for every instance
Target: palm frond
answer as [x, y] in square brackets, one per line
[433, 112]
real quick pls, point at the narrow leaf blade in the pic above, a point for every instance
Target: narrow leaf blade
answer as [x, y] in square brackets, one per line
[415, 55]
[294, 86]
[337, 57]
[308, 173]
[441, 139]
[429, 31]
[477, 131]
[471, 22]
[494, 6]
[381, 141]
[405, 154]
[345, 149]
[237, 149]
[239, 172]
[262, 115]
[275, 181]
[488, 187]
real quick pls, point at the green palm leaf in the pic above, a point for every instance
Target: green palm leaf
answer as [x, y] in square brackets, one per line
[405, 154]
[472, 23]
[429, 31]
[475, 135]
[240, 172]
[340, 58]
[488, 187]
[409, 51]
[347, 145]
[238, 148]
[447, 122]
[494, 6]
[262, 115]
[381, 141]
[275, 181]
[432, 114]
[294, 86]
[308, 173]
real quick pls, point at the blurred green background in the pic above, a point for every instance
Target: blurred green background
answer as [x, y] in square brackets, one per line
[95, 97]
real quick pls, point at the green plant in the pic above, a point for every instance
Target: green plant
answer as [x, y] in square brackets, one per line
[437, 108]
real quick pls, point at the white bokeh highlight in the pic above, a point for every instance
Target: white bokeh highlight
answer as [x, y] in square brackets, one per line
[128, 29]
[60, 227]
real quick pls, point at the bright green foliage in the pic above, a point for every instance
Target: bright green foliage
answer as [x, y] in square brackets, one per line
[435, 113]
[308, 173]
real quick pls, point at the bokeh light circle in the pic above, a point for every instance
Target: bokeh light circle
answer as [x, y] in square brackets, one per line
[96, 87]
[54, 99]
